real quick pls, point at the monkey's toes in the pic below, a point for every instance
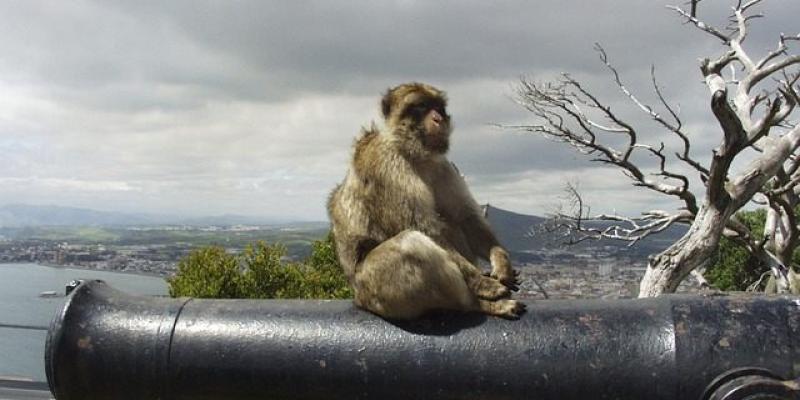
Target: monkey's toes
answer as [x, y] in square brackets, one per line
[510, 309]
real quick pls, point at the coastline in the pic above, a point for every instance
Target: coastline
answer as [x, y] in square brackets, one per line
[84, 268]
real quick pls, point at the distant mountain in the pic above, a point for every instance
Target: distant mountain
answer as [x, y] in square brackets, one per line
[513, 229]
[23, 215]
[19, 215]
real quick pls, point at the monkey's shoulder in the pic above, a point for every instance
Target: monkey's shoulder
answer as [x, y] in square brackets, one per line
[333, 197]
[365, 144]
[368, 136]
[375, 156]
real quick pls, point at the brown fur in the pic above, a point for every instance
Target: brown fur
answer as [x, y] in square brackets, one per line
[407, 230]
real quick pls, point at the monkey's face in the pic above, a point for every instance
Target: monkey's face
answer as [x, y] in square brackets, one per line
[421, 111]
[431, 124]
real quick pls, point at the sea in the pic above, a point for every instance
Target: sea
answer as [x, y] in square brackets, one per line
[25, 314]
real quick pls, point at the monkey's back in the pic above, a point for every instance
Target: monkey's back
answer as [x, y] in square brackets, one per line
[348, 208]
[380, 197]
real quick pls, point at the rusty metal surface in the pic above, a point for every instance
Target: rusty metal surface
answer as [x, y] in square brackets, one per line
[108, 345]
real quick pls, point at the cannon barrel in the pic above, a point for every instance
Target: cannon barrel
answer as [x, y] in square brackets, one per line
[105, 344]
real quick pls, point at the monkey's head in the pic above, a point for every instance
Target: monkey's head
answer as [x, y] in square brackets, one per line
[416, 114]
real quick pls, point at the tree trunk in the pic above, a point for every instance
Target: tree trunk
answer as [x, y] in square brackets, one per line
[667, 269]
[782, 246]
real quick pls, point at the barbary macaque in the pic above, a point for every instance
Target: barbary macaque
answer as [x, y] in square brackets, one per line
[407, 230]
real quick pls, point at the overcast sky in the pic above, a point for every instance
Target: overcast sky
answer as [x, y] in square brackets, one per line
[250, 107]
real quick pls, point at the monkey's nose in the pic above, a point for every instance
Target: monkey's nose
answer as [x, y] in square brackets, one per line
[437, 118]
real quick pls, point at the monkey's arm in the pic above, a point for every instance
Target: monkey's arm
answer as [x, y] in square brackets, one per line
[480, 237]
[484, 243]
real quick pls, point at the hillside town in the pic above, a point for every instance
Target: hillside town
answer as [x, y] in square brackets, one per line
[592, 272]
[141, 259]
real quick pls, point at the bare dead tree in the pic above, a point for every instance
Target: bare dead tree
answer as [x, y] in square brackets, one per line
[781, 231]
[753, 112]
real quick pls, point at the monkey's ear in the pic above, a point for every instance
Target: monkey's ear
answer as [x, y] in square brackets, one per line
[386, 104]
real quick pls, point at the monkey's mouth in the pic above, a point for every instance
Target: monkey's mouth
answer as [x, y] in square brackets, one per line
[435, 128]
[437, 140]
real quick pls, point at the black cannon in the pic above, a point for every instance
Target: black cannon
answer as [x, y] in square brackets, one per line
[105, 344]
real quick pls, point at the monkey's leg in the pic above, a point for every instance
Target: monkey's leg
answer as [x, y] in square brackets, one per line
[488, 289]
[483, 286]
[409, 275]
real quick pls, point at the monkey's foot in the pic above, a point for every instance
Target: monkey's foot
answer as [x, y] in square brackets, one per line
[490, 289]
[509, 309]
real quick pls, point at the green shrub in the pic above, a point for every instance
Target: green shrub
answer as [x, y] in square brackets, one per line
[324, 277]
[260, 272]
[208, 272]
[732, 267]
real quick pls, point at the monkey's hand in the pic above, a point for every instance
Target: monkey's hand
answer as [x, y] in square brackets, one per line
[501, 268]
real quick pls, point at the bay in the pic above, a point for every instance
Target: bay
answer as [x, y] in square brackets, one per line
[22, 350]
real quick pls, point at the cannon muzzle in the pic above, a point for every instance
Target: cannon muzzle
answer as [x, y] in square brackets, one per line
[105, 344]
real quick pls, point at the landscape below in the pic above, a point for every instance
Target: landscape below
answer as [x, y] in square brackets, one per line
[61, 236]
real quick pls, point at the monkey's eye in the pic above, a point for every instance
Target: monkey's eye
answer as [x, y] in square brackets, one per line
[416, 110]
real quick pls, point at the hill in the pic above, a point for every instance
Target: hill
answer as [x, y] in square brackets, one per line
[513, 229]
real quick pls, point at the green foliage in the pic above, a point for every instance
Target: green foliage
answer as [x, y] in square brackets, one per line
[208, 272]
[267, 277]
[260, 272]
[732, 267]
[325, 278]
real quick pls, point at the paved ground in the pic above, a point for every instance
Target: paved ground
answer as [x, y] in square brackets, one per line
[24, 394]
[23, 390]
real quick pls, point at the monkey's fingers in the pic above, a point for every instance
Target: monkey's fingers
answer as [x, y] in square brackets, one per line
[510, 281]
[514, 287]
[514, 281]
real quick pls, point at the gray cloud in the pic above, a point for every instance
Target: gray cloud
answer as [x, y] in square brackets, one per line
[250, 107]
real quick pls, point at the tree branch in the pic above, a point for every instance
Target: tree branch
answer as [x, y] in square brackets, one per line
[676, 128]
[576, 225]
[756, 174]
[690, 17]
